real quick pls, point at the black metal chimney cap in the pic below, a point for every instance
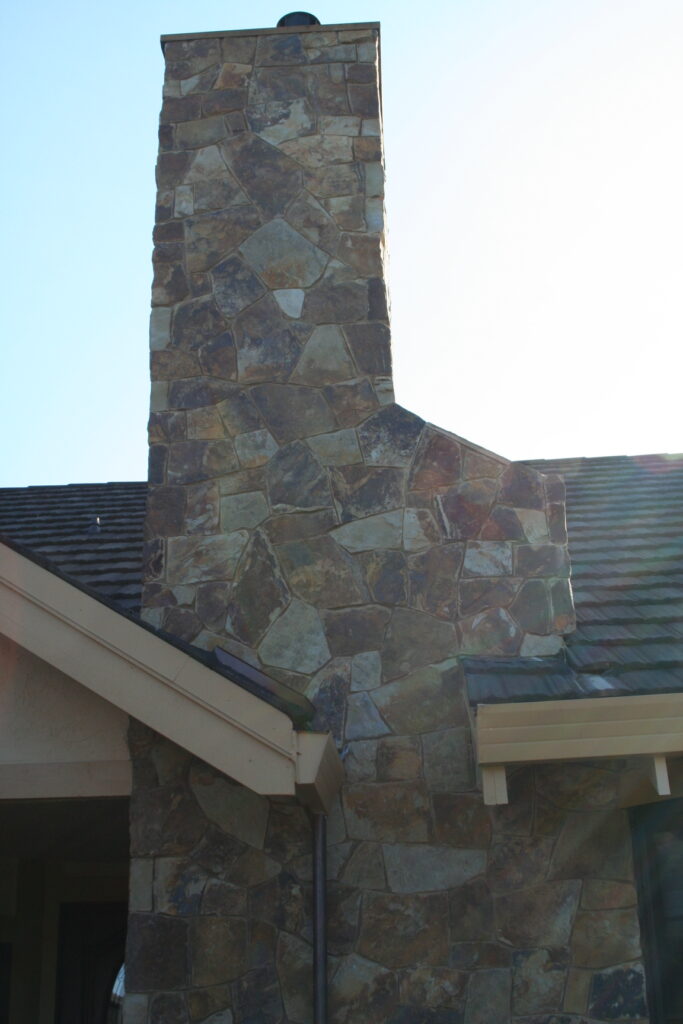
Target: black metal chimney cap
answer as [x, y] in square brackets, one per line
[297, 18]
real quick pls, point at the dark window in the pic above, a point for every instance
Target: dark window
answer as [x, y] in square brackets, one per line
[658, 850]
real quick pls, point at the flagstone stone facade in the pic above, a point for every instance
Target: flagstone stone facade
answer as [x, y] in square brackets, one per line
[301, 519]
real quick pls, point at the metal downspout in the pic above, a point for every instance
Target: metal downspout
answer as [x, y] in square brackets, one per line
[320, 918]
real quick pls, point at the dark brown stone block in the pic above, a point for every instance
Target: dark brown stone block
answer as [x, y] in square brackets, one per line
[292, 412]
[518, 861]
[165, 511]
[157, 458]
[365, 490]
[433, 987]
[165, 821]
[298, 525]
[370, 344]
[399, 759]
[602, 938]
[387, 812]
[437, 461]
[270, 178]
[434, 580]
[194, 461]
[212, 236]
[168, 1008]
[368, 148]
[343, 918]
[389, 437]
[197, 322]
[461, 820]
[288, 834]
[172, 168]
[542, 915]
[335, 302]
[386, 574]
[182, 623]
[465, 507]
[166, 426]
[351, 401]
[280, 902]
[257, 997]
[268, 346]
[531, 607]
[218, 357]
[354, 630]
[522, 487]
[414, 639]
[427, 700]
[594, 844]
[173, 363]
[212, 604]
[401, 931]
[169, 285]
[217, 949]
[541, 560]
[156, 953]
[197, 393]
[181, 108]
[479, 595]
[361, 992]
[235, 286]
[322, 573]
[364, 100]
[502, 524]
[259, 594]
[221, 101]
[295, 479]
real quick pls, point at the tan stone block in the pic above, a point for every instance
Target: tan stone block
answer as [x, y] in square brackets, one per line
[576, 991]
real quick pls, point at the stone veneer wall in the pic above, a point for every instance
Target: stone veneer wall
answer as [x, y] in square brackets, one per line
[301, 519]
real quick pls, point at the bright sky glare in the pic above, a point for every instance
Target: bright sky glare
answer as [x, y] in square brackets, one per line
[534, 166]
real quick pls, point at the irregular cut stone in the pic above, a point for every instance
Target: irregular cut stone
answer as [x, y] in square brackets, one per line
[594, 844]
[198, 134]
[270, 178]
[541, 915]
[332, 301]
[259, 594]
[602, 938]
[424, 701]
[492, 632]
[294, 965]
[360, 764]
[479, 595]
[218, 193]
[521, 487]
[461, 820]
[419, 529]
[282, 257]
[502, 524]
[465, 507]
[353, 630]
[401, 930]
[361, 992]
[276, 122]
[193, 461]
[156, 952]
[366, 671]
[433, 987]
[325, 359]
[437, 461]
[471, 912]
[343, 906]
[204, 424]
[165, 511]
[312, 220]
[386, 574]
[197, 322]
[296, 640]
[322, 573]
[363, 720]
[203, 508]
[488, 997]
[178, 886]
[258, 995]
[434, 580]
[387, 812]
[168, 1008]
[212, 236]
[268, 346]
[235, 286]
[197, 393]
[234, 808]
[564, 615]
[182, 623]
[329, 691]
[370, 344]
[389, 437]
[517, 862]
[314, 151]
[363, 252]
[351, 401]
[255, 448]
[378, 531]
[601, 895]
[253, 868]
[207, 164]
[296, 479]
[618, 994]
[340, 448]
[196, 559]
[297, 525]
[541, 560]
[488, 558]
[243, 511]
[399, 759]
[217, 949]
[365, 867]
[540, 646]
[534, 525]
[414, 639]
[447, 758]
[290, 301]
[430, 868]
[293, 412]
[531, 607]
[365, 490]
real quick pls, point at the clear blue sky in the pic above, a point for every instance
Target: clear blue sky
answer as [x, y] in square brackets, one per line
[534, 167]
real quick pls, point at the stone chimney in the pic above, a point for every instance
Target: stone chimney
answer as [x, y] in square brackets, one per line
[300, 519]
[296, 514]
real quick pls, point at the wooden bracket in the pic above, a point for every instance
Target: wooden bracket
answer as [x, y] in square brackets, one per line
[494, 784]
[659, 774]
